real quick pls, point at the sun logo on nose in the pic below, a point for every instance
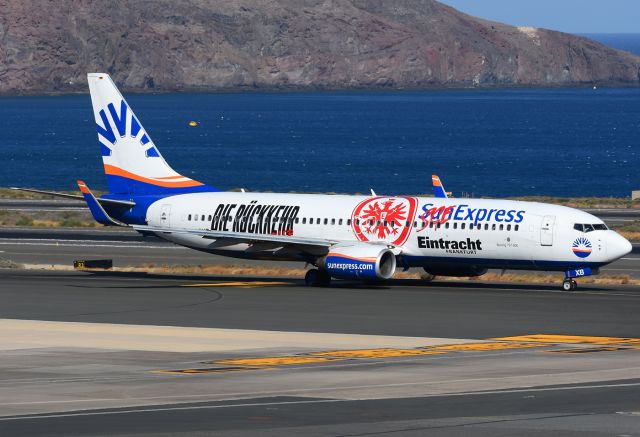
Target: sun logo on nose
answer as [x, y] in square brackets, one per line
[581, 247]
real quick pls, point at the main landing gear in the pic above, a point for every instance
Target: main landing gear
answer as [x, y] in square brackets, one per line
[317, 278]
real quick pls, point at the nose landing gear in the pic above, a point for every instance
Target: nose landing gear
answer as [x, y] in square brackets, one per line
[569, 284]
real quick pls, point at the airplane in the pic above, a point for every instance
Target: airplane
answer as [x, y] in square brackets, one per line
[356, 237]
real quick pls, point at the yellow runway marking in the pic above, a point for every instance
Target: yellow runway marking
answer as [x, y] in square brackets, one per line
[483, 346]
[274, 361]
[571, 339]
[583, 350]
[376, 353]
[240, 284]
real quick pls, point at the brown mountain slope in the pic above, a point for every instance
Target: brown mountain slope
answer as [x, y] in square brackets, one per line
[50, 46]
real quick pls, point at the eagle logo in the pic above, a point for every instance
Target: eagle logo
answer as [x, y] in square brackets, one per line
[387, 219]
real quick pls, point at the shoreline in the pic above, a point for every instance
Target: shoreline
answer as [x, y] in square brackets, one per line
[301, 89]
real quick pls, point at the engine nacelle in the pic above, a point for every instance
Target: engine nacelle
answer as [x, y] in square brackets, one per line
[359, 261]
[455, 270]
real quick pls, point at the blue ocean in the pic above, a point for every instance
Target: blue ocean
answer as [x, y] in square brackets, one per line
[561, 142]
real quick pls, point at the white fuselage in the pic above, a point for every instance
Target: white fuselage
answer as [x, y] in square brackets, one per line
[423, 231]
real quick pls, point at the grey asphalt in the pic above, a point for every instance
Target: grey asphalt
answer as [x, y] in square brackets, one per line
[587, 410]
[401, 308]
[336, 399]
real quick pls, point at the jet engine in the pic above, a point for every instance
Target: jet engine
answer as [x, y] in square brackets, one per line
[359, 261]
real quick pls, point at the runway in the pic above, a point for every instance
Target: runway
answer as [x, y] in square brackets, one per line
[479, 310]
[109, 353]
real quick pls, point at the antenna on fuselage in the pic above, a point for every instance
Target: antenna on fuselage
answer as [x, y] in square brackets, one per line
[373, 193]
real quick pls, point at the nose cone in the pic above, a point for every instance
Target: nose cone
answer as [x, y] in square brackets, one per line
[618, 246]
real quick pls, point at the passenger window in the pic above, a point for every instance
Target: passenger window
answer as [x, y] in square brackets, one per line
[318, 221]
[209, 218]
[516, 227]
[333, 221]
[455, 226]
[493, 227]
[385, 223]
[501, 227]
[304, 220]
[195, 217]
[486, 226]
[311, 221]
[431, 225]
[470, 225]
[508, 227]
[339, 221]
[446, 225]
[462, 225]
[189, 217]
[415, 224]
[348, 222]
[202, 217]
[326, 221]
[297, 220]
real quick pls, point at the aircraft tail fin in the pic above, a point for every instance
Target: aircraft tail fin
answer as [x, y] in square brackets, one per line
[133, 164]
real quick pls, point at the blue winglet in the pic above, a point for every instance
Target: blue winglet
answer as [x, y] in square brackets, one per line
[98, 212]
[438, 188]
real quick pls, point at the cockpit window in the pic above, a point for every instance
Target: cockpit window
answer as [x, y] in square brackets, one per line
[586, 227]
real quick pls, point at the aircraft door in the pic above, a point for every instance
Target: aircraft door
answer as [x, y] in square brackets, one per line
[165, 216]
[546, 230]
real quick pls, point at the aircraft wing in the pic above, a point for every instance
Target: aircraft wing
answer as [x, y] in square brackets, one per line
[114, 202]
[240, 237]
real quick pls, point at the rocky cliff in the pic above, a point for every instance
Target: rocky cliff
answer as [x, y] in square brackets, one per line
[201, 44]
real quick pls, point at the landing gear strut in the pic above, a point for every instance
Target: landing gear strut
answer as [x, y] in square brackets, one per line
[317, 278]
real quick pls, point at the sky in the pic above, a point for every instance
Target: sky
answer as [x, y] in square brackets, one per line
[572, 16]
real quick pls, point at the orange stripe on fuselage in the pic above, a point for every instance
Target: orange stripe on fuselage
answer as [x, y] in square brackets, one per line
[351, 257]
[116, 171]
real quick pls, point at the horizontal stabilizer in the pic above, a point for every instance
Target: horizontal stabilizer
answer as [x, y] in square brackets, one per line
[114, 202]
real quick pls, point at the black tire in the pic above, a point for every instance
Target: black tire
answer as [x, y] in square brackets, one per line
[324, 279]
[567, 285]
[311, 278]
